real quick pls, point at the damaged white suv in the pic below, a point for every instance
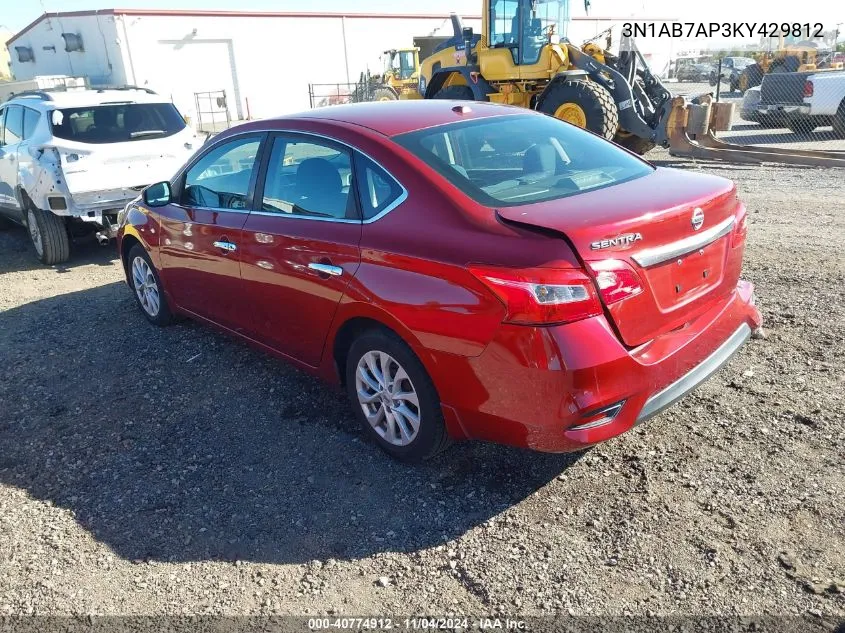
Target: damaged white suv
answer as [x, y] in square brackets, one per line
[70, 161]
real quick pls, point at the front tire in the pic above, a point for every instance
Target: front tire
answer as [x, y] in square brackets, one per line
[49, 237]
[394, 398]
[636, 144]
[384, 94]
[147, 288]
[456, 93]
[583, 103]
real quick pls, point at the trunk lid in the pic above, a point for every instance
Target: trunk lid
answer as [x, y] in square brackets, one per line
[648, 224]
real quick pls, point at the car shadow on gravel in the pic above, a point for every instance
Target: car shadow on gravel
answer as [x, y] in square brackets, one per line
[18, 255]
[180, 444]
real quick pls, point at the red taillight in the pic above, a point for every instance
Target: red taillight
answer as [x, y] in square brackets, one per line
[616, 280]
[541, 296]
[808, 89]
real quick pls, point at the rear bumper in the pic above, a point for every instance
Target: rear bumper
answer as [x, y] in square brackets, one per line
[566, 388]
[785, 109]
[669, 395]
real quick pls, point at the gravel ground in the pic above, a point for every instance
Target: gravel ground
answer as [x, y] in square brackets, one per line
[150, 471]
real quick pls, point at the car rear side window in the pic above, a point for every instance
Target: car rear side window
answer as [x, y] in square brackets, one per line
[14, 125]
[221, 178]
[30, 121]
[378, 190]
[309, 177]
[117, 123]
[519, 159]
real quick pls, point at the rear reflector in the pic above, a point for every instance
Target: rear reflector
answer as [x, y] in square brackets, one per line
[740, 231]
[598, 418]
[541, 296]
[616, 280]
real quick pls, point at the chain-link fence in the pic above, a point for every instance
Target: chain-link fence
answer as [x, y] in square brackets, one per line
[785, 98]
[320, 95]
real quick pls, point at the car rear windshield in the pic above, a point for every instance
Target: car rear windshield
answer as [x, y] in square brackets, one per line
[515, 160]
[117, 123]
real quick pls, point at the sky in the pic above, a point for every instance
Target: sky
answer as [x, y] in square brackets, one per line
[15, 14]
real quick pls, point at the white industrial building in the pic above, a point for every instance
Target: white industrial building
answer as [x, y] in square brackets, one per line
[264, 61]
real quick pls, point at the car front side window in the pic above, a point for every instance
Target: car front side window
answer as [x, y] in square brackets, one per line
[221, 178]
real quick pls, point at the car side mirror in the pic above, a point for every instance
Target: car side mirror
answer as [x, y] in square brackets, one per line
[158, 195]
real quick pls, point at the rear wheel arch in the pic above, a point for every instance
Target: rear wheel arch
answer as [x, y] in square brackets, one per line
[355, 326]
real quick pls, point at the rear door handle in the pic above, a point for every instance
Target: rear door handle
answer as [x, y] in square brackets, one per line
[226, 246]
[326, 269]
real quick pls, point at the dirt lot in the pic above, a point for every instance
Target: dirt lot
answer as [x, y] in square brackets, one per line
[148, 470]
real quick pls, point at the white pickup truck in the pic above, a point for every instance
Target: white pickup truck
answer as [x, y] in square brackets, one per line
[824, 99]
[800, 101]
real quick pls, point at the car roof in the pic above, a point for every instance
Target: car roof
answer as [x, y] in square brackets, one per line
[399, 117]
[49, 100]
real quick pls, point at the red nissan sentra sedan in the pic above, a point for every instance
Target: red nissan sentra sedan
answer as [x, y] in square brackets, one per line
[464, 270]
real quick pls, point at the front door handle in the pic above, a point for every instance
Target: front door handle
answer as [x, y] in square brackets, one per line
[226, 245]
[326, 269]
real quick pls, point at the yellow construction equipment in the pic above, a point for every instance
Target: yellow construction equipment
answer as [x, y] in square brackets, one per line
[519, 59]
[401, 75]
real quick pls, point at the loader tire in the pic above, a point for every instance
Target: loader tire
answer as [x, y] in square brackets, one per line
[384, 94]
[456, 93]
[583, 103]
[635, 144]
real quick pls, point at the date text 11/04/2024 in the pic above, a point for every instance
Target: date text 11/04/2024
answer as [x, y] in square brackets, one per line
[722, 29]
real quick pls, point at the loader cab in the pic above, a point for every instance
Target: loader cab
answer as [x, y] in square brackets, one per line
[402, 64]
[518, 33]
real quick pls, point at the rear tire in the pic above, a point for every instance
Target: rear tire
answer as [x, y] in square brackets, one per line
[457, 93]
[838, 121]
[635, 144]
[380, 366]
[49, 237]
[590, 102]
[801, 126]
[151, 298]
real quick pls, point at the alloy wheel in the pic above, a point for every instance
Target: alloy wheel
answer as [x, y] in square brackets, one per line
[388, 398]
[35, 232]
[145, 286]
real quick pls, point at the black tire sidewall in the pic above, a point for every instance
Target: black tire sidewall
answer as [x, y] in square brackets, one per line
[457, 93]
[431, 437]
[164, 316]
[55, 242]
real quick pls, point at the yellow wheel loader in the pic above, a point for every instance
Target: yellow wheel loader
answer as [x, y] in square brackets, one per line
[401, 75]
[519, 59]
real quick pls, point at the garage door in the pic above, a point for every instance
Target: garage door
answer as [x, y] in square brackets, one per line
[199, 66]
